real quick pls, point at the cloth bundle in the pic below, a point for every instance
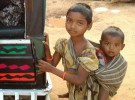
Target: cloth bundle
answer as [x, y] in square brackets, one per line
[111, 75]
[11, 12]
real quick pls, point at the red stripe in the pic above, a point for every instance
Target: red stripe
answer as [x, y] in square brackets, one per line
[41, 73]
[15, 74]
[17, 79]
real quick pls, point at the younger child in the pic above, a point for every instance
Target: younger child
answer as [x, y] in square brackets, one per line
[112, 66]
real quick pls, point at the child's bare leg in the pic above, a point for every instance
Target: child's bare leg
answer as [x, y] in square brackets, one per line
[103, 94]
[66, 95]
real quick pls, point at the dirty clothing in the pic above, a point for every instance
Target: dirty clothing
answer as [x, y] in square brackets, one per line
[88, 60]
[110, 75]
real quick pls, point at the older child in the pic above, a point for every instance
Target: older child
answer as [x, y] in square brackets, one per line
[76, 52]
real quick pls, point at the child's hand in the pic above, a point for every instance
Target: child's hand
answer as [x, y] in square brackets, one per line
[44, 66]
[46, 41]
[46, 46]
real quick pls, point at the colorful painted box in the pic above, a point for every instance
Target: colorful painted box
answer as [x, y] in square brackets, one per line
[18, 65]
[21, 46]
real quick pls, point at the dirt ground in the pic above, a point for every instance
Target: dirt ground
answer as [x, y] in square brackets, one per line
[105, 14]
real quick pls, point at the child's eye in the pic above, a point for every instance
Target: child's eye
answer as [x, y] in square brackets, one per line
[116, 45]
[107, 43]
[80, 23]
[69, 20]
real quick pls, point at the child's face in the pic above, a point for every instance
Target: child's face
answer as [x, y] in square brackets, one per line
[111, 45]
[76, 24]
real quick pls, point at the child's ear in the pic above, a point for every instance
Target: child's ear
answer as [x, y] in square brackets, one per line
[89, 26]
[122, 46]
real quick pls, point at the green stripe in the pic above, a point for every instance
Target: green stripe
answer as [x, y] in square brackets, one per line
[17, 47]
[38, 70]
[12, 52]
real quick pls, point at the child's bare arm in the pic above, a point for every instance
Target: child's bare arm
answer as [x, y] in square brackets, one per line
[77, 79]
[47, 48]
[103, 94]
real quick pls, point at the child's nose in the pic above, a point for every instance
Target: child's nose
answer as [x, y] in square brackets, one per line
[73, 26]
[111, 47]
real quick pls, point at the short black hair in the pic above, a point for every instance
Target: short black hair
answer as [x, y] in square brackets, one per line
[83, 9]
[113, 31]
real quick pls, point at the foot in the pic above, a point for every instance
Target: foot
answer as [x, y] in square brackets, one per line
[66, 95]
